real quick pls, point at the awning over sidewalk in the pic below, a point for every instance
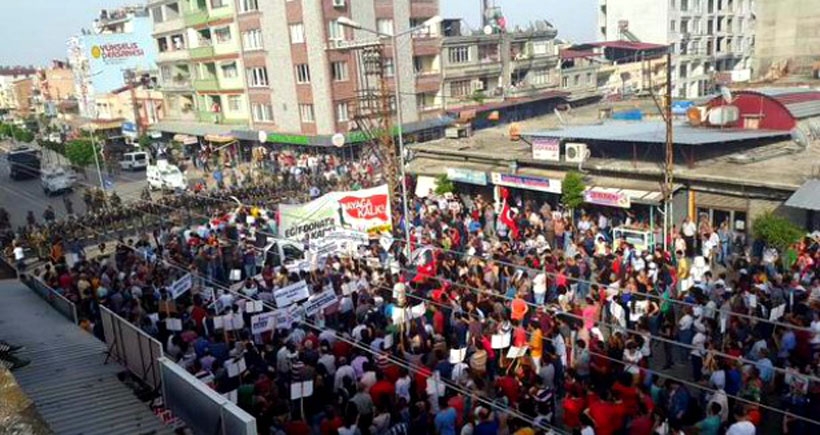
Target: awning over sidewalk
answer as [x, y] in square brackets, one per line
[807, 196]
[193, 128]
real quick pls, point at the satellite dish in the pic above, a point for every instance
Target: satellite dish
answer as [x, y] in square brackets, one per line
[338, 140]
[726, 94]
[799, 137]
[263, 136]
[488, 29]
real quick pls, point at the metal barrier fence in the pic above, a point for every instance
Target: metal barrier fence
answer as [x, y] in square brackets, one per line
[132, 347]
[64, 306]
[204, 410]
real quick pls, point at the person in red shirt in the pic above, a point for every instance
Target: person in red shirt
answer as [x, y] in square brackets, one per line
[608, 416]
[382, 391]
[438, 321]
[642, 424]
[519, 334]
[573, 406]
[509, 387]
[627, 393]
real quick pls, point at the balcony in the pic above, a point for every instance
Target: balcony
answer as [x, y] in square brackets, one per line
[179, 83]
[206, 85]
[202, 52]
[426, 46]
[195, 18]
[217, 118]
[428, 82]
[173, 55]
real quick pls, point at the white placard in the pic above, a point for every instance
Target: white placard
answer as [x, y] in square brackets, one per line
[777, 312]
[208, 294]
[262, 322]
[319, 302]
[282, 319]
[386, 241]
[233, 368]
[181, 285]
[457, 355]
[501, 341]
[217, 320]
[254, 306]
[399, 315]
[236, 275]
[291, 294]
[435, 386]
[516, 352]
[752, 301]
[388, 341]
[299, 390]
[348, 288]
[417, 310]
[173, 324]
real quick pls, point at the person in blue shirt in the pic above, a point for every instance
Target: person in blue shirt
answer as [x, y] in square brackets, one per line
[445, 421]
[765, 366]
[711, 424]
[488, 424]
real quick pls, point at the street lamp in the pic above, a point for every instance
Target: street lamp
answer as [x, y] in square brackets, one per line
[347, 22]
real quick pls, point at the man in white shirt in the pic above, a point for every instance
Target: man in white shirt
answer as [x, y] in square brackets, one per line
[689, 229]
[19, 258]
[742, 427]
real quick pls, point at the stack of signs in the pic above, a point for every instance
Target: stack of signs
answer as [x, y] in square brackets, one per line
[299, 390]
[173, 324]
[501, 341]
[320, 301]
[287, 296]
[457, 355]
[181, 286]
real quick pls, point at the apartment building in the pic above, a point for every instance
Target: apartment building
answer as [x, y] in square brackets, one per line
[712, 40]
[288, 66]
[478, 66]
[8, 76]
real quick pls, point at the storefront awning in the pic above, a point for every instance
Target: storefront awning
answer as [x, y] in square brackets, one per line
[192, 128]
[807, 196]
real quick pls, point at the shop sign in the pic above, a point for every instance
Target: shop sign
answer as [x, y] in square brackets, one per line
[467, 176]
[606, 198]
[528, 182]
[548, 148]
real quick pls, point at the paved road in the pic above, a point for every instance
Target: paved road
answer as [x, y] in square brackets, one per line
[18, 197]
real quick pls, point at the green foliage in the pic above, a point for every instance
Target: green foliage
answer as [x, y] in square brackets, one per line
[479, 97]
[444, 185]
[17, 133]
[144, 142]
[24, 135]
[572, 190]
[80, 152]
[54, 146]
[776, 231]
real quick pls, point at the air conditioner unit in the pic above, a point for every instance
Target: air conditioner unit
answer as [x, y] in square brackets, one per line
[338, 3]
[576, 152]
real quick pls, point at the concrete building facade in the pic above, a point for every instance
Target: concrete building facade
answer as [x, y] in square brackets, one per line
[712, 40]
[287, 67]
[787, 32]
[513, 63]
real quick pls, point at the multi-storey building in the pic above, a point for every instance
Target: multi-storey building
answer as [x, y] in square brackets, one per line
[287, 66]
[9, 75]
[711, 40]
[479, 66]
[786, 37]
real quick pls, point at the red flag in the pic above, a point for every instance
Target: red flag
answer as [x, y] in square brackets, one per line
[506, 213]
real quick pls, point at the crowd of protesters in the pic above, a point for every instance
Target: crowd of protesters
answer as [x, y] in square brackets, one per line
[527, 319]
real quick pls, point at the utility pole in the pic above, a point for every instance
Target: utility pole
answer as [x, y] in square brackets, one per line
[668, 220]
[131, 75]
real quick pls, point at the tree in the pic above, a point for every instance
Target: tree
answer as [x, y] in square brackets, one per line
[80, 152]
[24, 135]
[572, 190]
[777, 232]
[444, 185]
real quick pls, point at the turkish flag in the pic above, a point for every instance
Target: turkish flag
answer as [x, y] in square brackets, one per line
[506, 213]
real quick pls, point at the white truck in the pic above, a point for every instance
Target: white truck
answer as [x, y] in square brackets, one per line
[56, 180]
[164, 176]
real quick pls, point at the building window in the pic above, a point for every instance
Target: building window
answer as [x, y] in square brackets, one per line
[540, 77]
[229, 70]
[672, 26]
[459, 54]
[460, 88]
[426, 101]
[589, 78]
[564, 82]
[339, 71]
[488, 53]
[178, 42]
[540, 48]
[389, 67]
[223, 35]
[262, 112]
[385, 25]
[302, 73]
[306, 113]
[335, 31]
[297, 33]
[162, 45]
[248, 5]
[257, 77]
[157, 14]
[576, 80]
[217, 4]
[342, 114]
[234, 103]
[252, 39]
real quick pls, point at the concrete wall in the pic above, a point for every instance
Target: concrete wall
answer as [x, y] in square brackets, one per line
[404, 63]
[648, 19]
[276, 37]
[315, 31]
[786, 29]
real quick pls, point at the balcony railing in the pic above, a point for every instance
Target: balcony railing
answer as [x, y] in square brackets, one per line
[195, 18]
[206, 85]
[202, 52]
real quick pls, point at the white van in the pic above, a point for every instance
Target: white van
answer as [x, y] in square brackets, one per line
[134, 161]
[165, 176]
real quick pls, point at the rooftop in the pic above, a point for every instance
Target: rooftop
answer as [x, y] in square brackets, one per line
[655, 132]
[784, 172]
[800, 102]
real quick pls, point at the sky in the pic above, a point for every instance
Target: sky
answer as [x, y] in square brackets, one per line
[35, 31]
[576, 20]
